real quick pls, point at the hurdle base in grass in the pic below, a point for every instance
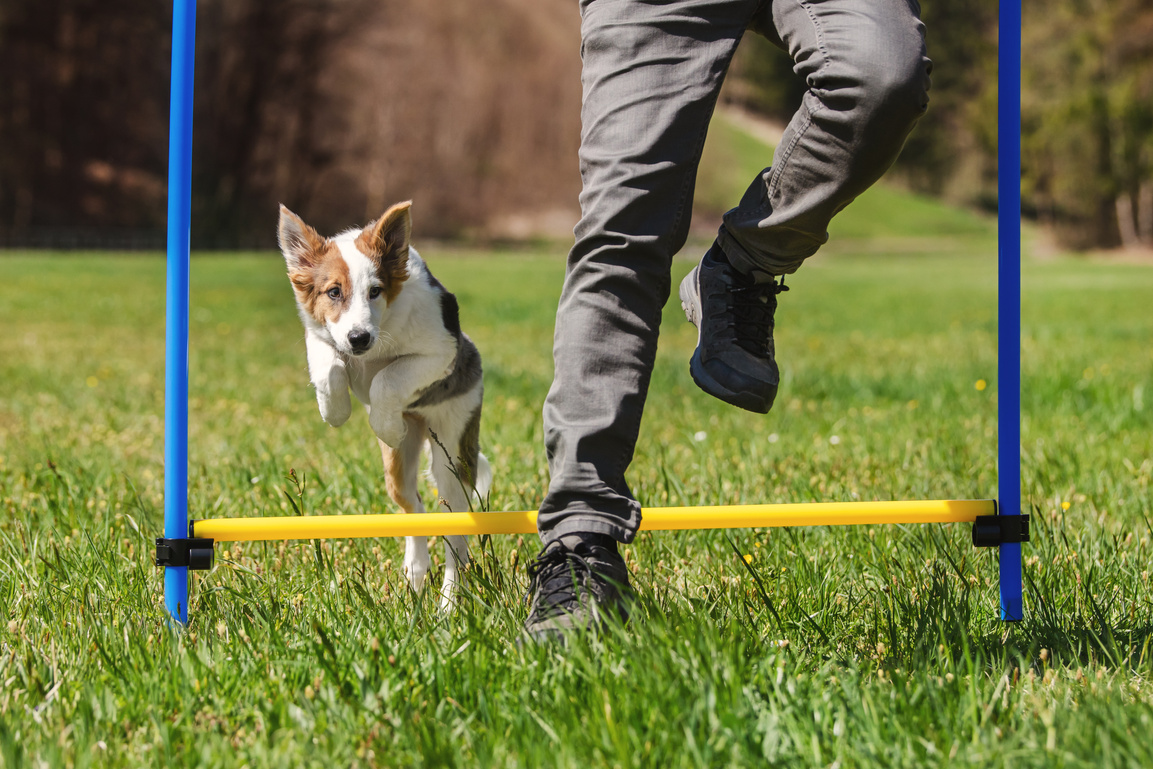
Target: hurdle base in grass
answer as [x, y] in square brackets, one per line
[193, 553]
[652, 519]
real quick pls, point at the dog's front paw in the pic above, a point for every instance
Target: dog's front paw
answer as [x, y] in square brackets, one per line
[388, 425]
[332, 395]
[335, 409]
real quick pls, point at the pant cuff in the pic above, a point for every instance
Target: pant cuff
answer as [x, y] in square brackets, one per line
[761, 264]
[588, 523]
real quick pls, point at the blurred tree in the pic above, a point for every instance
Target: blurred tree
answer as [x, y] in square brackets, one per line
[1087, 134]
[264, 105]
[80, 137]
[953, 150]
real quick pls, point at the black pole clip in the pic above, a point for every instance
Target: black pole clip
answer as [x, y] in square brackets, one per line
[192, 552]
[997, 530]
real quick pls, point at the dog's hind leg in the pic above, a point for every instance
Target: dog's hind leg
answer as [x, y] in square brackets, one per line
[401, 476]
[455, 479]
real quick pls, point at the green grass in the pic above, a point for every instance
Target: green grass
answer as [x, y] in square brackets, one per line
[817, 646]
[870, 646]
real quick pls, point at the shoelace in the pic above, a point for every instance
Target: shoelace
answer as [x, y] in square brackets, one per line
[753, 308]
[551, 576]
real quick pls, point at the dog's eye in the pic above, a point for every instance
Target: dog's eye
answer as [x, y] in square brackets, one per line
[374, 292]
[334, 292]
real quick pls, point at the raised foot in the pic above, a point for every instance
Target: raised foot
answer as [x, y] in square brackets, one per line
[735, 358]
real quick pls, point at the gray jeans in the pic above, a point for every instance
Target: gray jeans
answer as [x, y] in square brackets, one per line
[652, 70]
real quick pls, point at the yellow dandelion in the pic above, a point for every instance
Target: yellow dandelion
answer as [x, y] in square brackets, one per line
[748, 558]
[981, 385]
[1066, 505]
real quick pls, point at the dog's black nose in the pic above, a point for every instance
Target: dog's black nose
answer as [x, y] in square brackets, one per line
[359, 340]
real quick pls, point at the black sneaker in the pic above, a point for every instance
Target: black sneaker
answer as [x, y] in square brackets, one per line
[576, 589]
[735, 357]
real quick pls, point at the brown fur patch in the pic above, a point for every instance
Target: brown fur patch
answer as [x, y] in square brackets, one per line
[328, 270]
[400, 466]
[385, 242]
[298, 241]
[315, 267]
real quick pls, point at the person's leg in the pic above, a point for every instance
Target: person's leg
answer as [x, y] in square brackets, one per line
[868, 76]
[651, 74]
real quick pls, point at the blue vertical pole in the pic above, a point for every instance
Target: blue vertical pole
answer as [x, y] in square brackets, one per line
[176, 334]
[1009, 298]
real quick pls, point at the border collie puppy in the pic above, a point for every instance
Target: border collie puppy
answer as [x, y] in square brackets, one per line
[378, 324]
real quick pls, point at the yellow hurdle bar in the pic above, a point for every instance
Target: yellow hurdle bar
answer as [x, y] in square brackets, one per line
[652, 519]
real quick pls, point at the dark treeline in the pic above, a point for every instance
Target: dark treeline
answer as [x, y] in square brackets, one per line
[339, 107]
[336, 108]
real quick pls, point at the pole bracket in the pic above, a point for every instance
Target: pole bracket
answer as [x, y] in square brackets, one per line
[195, 553]
[997, 530]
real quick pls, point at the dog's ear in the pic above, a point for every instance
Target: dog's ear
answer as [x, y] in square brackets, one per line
[388, 235]
[300, 244]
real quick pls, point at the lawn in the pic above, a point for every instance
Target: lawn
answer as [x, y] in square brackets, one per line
[814, 646]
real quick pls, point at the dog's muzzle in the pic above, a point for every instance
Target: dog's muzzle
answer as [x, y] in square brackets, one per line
[359, 341]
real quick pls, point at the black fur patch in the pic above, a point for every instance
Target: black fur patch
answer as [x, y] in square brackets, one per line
[470, 450]
[450, 313]
[466, 373]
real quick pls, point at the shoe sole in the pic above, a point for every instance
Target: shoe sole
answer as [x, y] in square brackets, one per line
[690, 304]
[558, 629]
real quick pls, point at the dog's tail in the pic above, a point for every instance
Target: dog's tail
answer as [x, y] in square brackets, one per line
[483, 482]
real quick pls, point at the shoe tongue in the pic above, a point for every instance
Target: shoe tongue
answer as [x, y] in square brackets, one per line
[583, 543]
[741, 280]
[758, 277]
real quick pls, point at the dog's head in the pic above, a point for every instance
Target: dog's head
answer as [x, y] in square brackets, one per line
[347, 283]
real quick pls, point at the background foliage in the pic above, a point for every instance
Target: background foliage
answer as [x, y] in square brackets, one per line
[337, 107]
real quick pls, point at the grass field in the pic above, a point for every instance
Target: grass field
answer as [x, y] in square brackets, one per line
[875, 646]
